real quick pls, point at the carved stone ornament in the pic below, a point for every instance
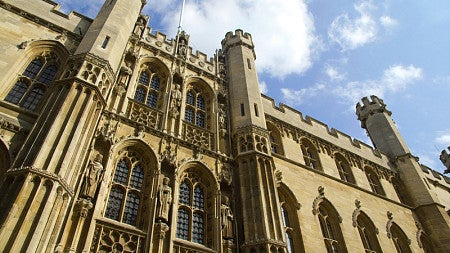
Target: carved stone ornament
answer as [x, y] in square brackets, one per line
[23, 45]
[356, 212]
[226, 174]
[318, 199]
[389, 224]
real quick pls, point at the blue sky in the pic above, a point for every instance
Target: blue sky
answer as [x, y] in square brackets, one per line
[322, 56]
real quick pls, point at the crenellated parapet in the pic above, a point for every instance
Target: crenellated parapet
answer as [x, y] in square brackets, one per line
[370, 107]
[238, 38]
[445, 159]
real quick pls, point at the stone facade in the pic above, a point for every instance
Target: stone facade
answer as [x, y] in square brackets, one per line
[115, 139]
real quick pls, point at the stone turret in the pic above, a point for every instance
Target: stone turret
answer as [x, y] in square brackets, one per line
[376, 119]
[383, 132]
[445, 159]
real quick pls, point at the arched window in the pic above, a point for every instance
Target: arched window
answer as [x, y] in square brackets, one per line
[275, 139]
[374, 181]
[147, 91]
[310, 155]
[125, 196]
[35, 80]
[196, 108]
[345, 172]
[368, 233]
[191, 212]
[399, 239]
[291, 224]
[331, 231]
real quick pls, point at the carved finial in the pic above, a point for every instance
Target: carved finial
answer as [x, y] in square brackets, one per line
[23, 45]
[321, 190]
[357, 203]
[389, 215]
[445, 159]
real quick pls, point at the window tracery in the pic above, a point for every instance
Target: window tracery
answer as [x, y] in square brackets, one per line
[32, 84]
[345, 171]
[368, 233]
[148, 88]
[374, 181]
[125, 196]
[399, 239]
[197, 107]
[310, 154]
[191, 212]
[331, 231]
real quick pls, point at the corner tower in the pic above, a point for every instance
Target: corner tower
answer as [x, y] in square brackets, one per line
[259, 201]
[376, 119]
[52, 158]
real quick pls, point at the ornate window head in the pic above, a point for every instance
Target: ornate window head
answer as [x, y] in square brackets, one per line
[197, 107]
[125, 196]
[368, 233]
[331, 231]
[399, 239]
[275, 139]
[310, 155]
[148, 88]
[374, 181]
[289, 208]
[345, 171]
[33, 83]
[191, 212]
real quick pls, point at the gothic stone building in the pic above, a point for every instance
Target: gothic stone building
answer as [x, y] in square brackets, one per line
[115, 139]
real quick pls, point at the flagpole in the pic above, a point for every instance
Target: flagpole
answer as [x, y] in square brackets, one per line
[181, 16]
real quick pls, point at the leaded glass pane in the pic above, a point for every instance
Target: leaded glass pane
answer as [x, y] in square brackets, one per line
[130, 213]
[200, 102]
[189, 115]
[137, 177]
[289, 245]
[121, 174]
[17, 92]
[190, 98]
[183, 224]
[197, 228]
[33, 98]
[200, 119]
[48, 74]
[33, 68]
[155, 83]
[114, 204]
[285, 217]
[185, 194]
[152, 99]
[199, 198]
[140, 94]
[144, 78]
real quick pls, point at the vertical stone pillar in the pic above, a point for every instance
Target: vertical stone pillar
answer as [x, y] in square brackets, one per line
[82, 207]
[161, 229]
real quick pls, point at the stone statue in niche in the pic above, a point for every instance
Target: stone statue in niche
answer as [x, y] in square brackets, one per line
[92, 177]
[125, 73]
[226, 218]
[164, 200]
[140, 26]
[175, 101]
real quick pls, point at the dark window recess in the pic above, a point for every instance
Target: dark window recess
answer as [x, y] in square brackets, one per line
[242, 110]
[256, 110]
[105, 42]
[249, 64]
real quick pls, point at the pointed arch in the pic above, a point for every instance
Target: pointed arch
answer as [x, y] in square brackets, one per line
[196, 202]
[40, 65]
[151, 83]
[368, 233]
[276, 142]
[310, 154]
[399, 238]
[289, 215]
[329, 221]
[199, 103]
[374, 180]
[344, 168]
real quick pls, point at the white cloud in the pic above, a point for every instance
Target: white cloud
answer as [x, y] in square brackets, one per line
[263, 87]
[394, 79]
[333, 73]
[388, 22]
[297, 97]
[352, 33]
[283, 31]
[443, 139]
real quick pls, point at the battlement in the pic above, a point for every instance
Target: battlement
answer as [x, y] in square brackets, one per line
[321, 130]
[47, 11]
[445, 159]
[237, 38]
[369, 107]
[197, 59]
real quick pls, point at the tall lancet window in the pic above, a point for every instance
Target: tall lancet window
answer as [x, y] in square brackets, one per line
[32, 84]
[148, 88]
[196, 108]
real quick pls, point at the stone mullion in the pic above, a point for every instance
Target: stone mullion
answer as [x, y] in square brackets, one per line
[58, 224]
